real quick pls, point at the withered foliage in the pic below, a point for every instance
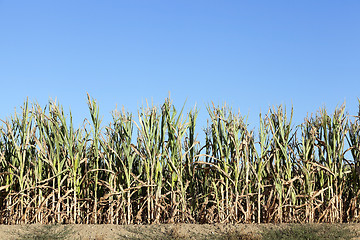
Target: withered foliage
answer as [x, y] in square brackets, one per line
[153, 169]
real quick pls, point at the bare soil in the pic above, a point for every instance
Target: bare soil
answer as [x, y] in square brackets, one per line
[179, 231]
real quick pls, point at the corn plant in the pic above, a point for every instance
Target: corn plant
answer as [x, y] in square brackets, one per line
[154, 169]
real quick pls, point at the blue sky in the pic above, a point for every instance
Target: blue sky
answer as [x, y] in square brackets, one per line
[249, 54]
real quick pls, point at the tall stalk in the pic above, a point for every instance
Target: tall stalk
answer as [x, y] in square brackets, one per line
[153, 169]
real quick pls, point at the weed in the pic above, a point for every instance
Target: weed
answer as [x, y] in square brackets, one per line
[307, 231]
[46, 232]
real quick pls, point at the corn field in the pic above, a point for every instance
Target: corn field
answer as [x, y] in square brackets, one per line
[151, 168]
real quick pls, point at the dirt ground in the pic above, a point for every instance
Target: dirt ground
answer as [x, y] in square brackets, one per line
[160, 231]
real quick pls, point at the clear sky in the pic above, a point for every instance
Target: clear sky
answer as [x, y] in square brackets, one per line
[249, 54]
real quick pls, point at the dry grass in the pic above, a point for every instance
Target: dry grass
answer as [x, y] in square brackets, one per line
[184, 231]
